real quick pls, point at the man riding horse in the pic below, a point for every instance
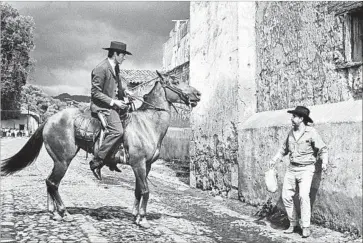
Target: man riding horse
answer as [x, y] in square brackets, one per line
[142, 139]
[107, 103]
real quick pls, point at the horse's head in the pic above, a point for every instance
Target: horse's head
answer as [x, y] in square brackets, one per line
[179, 92]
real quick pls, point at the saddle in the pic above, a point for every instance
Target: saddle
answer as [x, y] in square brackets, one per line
[90, 130]
[87, 127]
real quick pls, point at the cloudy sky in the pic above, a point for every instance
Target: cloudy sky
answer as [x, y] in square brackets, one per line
[69, 37]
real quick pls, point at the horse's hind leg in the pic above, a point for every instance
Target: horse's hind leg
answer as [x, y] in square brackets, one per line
[62, 150]
[52, 183]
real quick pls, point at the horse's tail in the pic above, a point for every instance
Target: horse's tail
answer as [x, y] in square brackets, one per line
[25, 156]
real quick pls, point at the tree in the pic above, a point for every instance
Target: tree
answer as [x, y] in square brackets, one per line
[17, 41]
[36, 100]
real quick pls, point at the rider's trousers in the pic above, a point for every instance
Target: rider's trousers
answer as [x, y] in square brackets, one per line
[114, 135]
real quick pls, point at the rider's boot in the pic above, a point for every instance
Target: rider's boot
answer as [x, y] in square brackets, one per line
[96, 165]
[112, 161]
[114, 167]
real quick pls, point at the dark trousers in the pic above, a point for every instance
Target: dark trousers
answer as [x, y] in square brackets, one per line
[114, 135]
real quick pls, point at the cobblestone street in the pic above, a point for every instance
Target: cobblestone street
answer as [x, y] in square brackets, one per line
[102, 210]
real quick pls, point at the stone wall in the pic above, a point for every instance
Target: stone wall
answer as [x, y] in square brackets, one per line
[337, 194]
[176, 145]
[297, 56]
[214, 71]
[248, 57]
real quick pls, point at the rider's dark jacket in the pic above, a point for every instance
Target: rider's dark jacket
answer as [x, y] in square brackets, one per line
[105, 87]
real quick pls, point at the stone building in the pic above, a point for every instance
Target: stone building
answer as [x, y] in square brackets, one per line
[27, 121]
[176, 49]
[254, 60]
[176, 144]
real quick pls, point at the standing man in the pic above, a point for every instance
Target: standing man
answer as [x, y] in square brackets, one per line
[107, 95]
[303, 144]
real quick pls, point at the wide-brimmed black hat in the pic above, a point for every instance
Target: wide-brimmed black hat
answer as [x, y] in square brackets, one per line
[302, 111]
[118, 47]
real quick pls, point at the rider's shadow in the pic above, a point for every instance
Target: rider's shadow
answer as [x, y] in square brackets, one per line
[109, 212]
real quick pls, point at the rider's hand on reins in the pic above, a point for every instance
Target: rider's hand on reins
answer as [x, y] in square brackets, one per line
[129, 95]
[120, 104]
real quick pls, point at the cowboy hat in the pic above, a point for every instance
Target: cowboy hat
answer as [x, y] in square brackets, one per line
[118, 47]
[303, 112]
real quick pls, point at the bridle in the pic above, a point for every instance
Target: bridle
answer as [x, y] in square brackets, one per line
[165, 86]
[178, 91]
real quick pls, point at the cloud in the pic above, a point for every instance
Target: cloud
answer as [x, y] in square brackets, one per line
[69, 37]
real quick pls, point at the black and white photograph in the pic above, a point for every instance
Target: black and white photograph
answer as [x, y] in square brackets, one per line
[181, 121]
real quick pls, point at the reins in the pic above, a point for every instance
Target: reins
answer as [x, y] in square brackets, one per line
[156, 108]
[175, 90]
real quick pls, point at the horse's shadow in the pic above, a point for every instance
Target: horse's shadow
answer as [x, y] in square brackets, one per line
[109, 212]
[99, 214]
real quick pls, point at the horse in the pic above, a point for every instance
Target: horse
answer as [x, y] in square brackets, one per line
[143, 135]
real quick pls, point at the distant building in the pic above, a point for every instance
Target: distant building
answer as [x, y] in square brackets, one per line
[176, 48]
[136, 77]
[27, 121]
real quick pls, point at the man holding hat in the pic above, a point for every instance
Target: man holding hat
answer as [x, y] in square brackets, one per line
[303, 144]
[107, 101]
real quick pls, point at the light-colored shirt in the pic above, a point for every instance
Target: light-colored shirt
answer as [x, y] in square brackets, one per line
[303, 150]
[113, 64]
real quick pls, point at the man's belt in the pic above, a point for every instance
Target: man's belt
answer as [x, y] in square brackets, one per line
[299, 165]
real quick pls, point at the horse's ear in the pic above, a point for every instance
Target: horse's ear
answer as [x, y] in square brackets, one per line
[160, 76]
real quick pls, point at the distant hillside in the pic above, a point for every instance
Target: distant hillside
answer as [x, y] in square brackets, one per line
[78, 98]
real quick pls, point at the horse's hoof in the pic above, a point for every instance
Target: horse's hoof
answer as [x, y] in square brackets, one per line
[137, 219]
[50, 206]
[157, 232]
[67, 217]
[51, 209]
[144, 223]
[56, 217]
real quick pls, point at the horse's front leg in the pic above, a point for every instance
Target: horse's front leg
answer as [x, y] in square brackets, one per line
[145, 198]
[136, 208]
[141, 194]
